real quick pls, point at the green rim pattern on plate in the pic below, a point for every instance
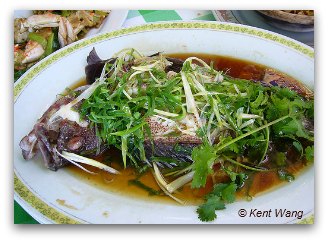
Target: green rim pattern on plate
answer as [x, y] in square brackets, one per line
[308, 220]
[52, 213]
[39, 205]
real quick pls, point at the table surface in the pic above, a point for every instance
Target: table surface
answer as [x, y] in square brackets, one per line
[134, 17]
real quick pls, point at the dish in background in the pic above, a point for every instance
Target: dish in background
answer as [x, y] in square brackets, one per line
[304, 34]
[27, 56]
[291, 16]
[72, 201]
[288, 20]
[114, 20]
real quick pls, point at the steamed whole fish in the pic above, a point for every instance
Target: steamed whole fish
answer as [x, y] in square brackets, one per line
[167, 139]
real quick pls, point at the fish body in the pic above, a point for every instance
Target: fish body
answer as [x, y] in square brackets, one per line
[168, 138]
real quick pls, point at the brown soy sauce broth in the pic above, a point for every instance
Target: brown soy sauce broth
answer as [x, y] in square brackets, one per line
[237, 68]
[256, 184]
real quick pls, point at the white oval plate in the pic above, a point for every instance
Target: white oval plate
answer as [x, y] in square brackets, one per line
[38, 190]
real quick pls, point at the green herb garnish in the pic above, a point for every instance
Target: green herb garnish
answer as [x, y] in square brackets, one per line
[216, 200]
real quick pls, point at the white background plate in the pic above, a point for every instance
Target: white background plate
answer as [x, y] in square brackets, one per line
[253, 18]
[38, 189]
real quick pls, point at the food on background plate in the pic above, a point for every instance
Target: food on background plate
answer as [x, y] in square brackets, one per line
[46, 31]
[183, 121]
[302, 17]
[300, 12]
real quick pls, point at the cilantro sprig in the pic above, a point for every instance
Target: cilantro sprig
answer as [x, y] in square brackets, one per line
[221, 194]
